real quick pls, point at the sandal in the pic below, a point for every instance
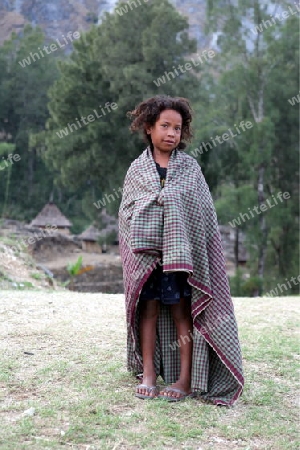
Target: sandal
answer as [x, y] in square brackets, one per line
[183, 395]
[149, 389]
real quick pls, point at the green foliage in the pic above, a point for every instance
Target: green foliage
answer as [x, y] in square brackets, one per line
[23, 99]
[250, 79]
[37, 276]
[23, 285]
[116, 62]
[109, 239]
[7, 283]
[91, 17]
[236, 283]
[249, 84]
[231, 200]
[252, 286]
[240, 286]
[73, 269]
[5, 150]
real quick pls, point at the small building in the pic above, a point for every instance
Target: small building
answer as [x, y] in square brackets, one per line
[89, 240]
[228, 242]
[110, 226]
[51, 215]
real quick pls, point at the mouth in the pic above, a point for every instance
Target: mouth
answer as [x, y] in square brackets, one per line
[170, 142]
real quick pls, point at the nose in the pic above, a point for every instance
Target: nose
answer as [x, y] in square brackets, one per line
[171, 132]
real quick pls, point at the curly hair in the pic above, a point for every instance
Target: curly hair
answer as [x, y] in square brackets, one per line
[147, 113]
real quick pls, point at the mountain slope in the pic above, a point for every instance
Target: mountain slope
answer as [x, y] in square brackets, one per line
[58, 17]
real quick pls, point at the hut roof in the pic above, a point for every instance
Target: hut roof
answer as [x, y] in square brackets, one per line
[90, 234]
[107, 218]
[108, 230]
[51, 215]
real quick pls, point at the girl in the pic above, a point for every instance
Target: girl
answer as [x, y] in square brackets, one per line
[180, 317]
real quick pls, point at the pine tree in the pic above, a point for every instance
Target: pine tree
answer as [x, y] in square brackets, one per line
[245, 87]
[115, 63]
[23, 95]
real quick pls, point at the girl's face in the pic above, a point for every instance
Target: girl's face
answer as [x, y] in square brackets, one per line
[166, 132]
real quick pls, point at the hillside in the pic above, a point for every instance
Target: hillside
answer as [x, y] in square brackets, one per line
[57, 17]
[21, 271]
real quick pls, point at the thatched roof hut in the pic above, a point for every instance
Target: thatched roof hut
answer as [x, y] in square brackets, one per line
[89, 239]
[90, 234]
[51, 215]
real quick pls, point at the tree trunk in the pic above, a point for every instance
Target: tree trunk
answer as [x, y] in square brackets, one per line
[236, 247]
[236, 235]
[262, 225]
[30, 173]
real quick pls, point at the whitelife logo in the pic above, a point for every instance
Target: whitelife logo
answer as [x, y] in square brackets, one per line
[53, 47]
[286, 286]
[278, 16]
[292, 101]
[221, 139]
[50, 229]
[125, 8]
[86, 120]
[259, 209]
[108, 198]
[183, 68]
[9, 161]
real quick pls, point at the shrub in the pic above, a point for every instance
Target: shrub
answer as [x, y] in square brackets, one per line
[241, 287]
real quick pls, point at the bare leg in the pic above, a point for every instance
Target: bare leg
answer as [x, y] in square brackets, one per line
[148, 320]
[184, 326]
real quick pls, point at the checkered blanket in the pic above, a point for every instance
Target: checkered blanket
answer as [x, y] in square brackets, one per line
[177, 227]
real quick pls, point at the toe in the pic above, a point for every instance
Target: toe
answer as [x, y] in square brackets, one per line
[147, 391]
[167, 393]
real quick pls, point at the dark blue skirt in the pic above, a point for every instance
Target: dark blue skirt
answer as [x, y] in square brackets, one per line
[168, 288]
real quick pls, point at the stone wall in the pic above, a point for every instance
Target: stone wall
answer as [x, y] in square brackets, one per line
[106, 278]
[51, 247]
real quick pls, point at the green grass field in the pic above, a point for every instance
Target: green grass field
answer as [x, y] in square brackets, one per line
[63, 354]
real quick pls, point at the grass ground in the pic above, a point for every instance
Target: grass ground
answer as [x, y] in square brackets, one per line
[62, 359]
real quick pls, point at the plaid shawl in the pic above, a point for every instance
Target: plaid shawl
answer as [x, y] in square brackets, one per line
[177, 227]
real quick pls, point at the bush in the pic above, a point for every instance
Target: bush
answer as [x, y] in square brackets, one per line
[109, 239]
[252, 287]
[241, 287]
